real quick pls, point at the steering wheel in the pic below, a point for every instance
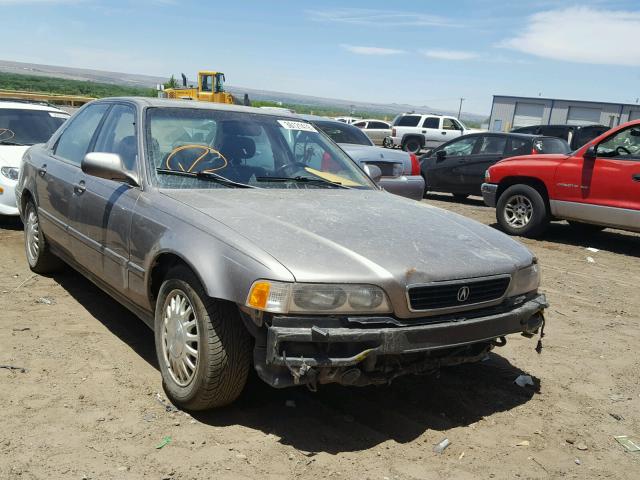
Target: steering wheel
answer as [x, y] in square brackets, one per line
[204, 158]
[6, 134]
[287, 168]
[621, 148]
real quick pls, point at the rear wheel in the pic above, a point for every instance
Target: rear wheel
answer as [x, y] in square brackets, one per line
[39, 257]
[412, 145]
[203, 349]
[521, 210]
[586, 228]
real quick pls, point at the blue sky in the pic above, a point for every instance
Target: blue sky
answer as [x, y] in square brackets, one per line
[419, 52]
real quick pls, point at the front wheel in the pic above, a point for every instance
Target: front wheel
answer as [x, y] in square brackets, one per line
[521, 210]
[203, 348]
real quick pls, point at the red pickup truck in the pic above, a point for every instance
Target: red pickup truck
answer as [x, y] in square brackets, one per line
[594, 187]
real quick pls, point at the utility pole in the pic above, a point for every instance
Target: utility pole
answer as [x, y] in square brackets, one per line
[460, 109]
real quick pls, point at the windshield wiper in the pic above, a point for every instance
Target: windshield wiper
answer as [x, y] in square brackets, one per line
[9, 142]
[301, 179]
[208, 175]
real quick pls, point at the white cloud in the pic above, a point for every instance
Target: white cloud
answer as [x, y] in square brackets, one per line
[361, 50]
[449, 54]
[380, 18]
[581, 34]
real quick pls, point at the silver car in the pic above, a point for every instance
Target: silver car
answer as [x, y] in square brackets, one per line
[210, 223]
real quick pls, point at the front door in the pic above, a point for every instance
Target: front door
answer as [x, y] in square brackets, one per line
[444, 170]
[105, 210]
[604, 190]
[488, 150]
[58, 175]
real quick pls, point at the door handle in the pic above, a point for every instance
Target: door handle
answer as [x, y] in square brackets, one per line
[443, 133]
[79, 188]
[635, 177]
[424, 131]
[42, 171]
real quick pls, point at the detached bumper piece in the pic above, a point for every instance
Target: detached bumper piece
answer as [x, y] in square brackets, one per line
[324, 350]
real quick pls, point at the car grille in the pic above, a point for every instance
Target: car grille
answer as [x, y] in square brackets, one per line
[434, 296]
[386, 168]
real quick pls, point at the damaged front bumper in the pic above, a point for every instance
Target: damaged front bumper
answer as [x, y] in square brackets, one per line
[299, 350]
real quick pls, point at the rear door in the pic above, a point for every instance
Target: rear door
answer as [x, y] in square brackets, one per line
[605, 190]
[377, 131]
[488, 150]
[105, 207]
[432, 132]
[58, 173]
[445, 173]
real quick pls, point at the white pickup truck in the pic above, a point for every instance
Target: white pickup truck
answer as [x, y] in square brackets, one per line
[414, 132]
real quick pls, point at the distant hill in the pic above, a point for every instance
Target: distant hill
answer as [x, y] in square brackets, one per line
[147, 81]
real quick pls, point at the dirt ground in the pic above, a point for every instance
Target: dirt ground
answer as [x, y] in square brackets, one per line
[88, 405]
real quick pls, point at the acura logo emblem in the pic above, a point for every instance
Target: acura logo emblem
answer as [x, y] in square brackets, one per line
[463, 294]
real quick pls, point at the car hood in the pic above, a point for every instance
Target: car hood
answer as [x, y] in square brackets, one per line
[10, 155]
[371, 153]
[323, 235]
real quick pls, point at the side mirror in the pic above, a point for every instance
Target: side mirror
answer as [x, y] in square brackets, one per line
[441, 155]
[108, 166]
[373, 171]
[590, 153]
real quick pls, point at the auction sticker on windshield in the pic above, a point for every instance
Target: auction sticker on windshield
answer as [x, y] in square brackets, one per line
[291, 125]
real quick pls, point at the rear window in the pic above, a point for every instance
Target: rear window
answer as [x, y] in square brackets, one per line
[551, 145]
[407, 121]
[340, 133]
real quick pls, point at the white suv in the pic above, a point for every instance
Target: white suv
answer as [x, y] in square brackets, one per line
[415, 131]
[22, 124]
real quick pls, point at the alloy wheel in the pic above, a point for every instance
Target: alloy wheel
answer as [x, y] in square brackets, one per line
[518, 211]
[180, 339]
[32, 237]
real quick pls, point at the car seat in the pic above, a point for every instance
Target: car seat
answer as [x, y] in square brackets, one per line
[237, 150]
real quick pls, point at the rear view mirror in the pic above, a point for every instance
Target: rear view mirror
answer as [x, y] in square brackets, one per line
[373, 171]
[441, 155]
[108, 166]
[590, 153]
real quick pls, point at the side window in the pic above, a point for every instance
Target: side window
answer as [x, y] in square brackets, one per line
[379, 125]
[518, 146]
[74, 141]
[450, 124]
[360, 124]
[431, 122]
[492, 144]
[623, 145]
[461, 147]
[207, 83]
[408, 121]
[118, 135]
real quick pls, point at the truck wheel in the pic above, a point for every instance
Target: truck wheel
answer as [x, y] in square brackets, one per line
[203, 349]
[39, 257]
[412, 145]
[521, 210]
[585, 228]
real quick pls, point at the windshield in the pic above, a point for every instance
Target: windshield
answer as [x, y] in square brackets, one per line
[27, 127]
[343, 133]
[258, 150]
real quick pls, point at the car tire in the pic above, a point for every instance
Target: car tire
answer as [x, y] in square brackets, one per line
[412, 145]
[521, 210]
[203, 348]
[460, 196]
[39, 257]
[585, 228]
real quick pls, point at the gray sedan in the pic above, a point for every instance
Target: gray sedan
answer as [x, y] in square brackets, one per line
[400, 171]
[214, 226]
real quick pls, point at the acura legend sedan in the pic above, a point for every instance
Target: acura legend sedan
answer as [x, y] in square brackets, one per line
[215, 226]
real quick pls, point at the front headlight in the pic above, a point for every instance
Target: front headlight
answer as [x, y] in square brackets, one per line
[281, 297]
[11, 173]
[525, 280]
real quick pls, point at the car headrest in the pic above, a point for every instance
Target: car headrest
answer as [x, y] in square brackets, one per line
[236, 148]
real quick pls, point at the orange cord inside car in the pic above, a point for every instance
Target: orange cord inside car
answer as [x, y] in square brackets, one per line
[206, 151]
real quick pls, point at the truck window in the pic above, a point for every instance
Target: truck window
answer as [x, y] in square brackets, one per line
[408, 121]
[431, 122]
[450, 124]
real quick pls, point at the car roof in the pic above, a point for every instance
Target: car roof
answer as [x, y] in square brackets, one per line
[170, 103]
[29, 106]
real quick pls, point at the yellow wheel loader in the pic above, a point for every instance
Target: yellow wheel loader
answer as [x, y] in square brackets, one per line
[210, 89]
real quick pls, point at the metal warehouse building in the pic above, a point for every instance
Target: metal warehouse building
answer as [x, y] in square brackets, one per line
[511, 112]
